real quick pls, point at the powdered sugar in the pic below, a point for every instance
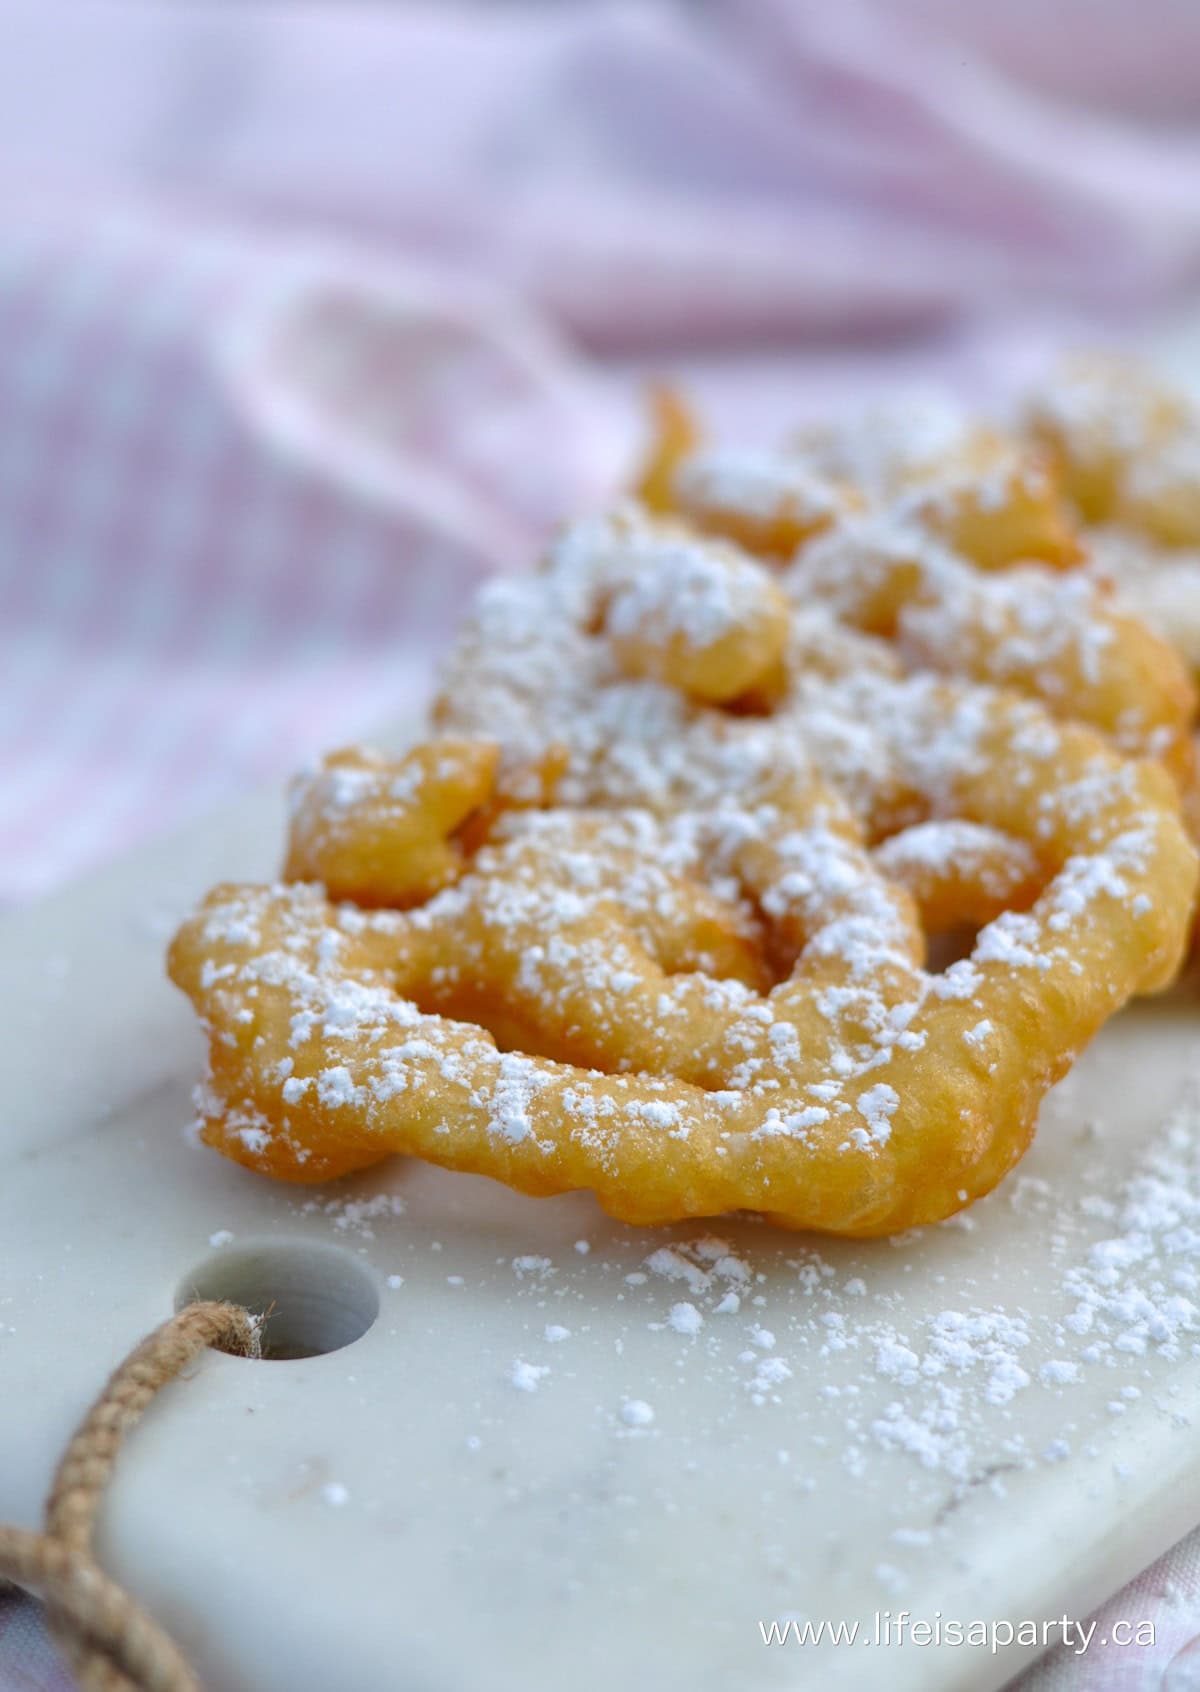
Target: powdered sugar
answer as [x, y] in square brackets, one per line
[685, 1319]
[743, 481]
[527, 1377]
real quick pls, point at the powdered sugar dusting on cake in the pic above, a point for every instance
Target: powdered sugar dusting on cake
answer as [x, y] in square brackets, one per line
[672, 816]
[756, 483]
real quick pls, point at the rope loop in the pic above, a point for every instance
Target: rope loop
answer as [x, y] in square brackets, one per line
[109, 1640]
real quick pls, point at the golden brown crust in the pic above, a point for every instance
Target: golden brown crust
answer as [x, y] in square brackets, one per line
[649, 915]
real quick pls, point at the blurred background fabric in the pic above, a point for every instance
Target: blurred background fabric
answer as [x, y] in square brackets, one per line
[307, 313]
[243, 491]
[310, 315]
[650, 175]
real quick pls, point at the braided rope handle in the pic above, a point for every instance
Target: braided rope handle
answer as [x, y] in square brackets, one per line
[109, 1640]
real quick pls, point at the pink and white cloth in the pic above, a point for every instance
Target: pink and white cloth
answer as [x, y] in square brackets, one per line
[310, 317]
[243, 492]
[260, 419]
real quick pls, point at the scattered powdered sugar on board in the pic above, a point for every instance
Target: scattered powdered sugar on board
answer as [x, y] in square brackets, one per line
[356, 1215]
[939, 1388]
[958, 1385]
[527, 1377]
[701, 1263]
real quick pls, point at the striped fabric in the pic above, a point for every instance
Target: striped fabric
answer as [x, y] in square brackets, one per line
[244, 487]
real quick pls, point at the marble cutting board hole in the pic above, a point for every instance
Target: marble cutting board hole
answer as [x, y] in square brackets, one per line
[313, 1298]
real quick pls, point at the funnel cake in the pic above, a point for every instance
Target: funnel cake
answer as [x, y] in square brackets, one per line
[1125, 447]
[649, 913]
